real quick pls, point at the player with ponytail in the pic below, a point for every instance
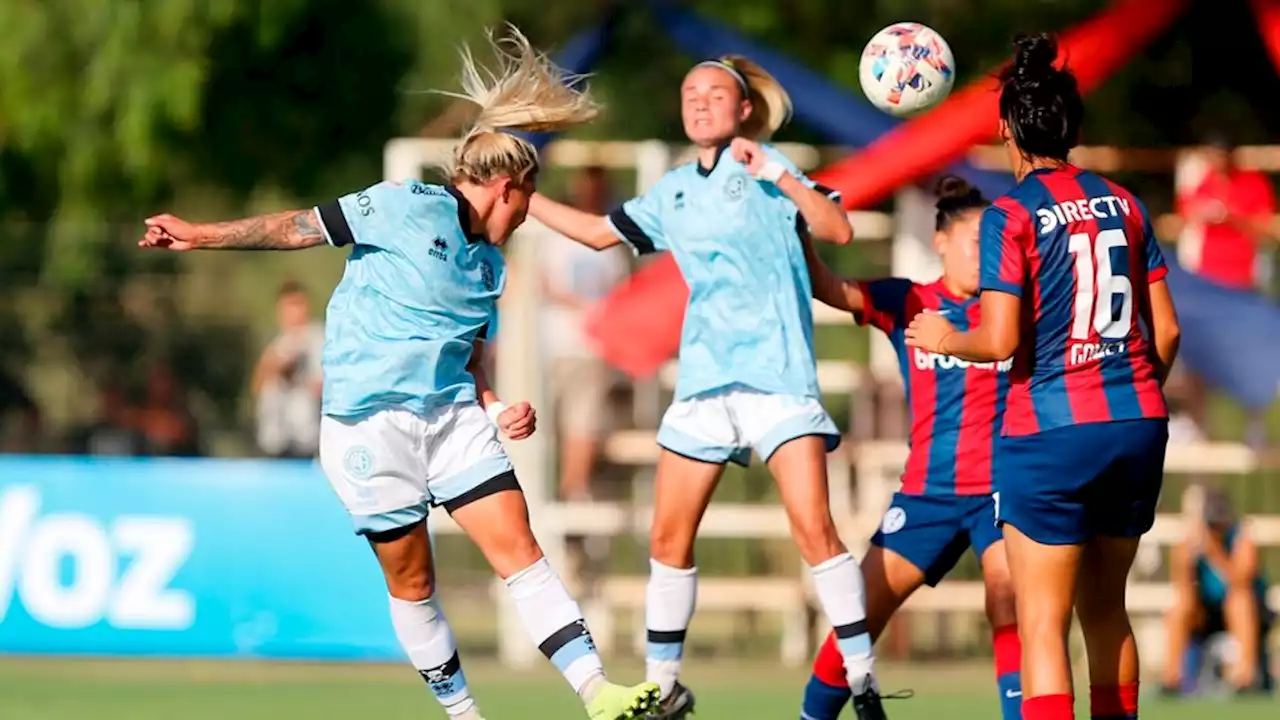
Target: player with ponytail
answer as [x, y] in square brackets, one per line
[734, 220]
[944, 505]
[1073, 289]
[410, 419]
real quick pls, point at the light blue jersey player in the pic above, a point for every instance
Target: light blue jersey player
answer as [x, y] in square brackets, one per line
[747, 380]
[410, 420]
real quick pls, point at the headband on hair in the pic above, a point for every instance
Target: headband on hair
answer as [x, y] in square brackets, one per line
[727, 65]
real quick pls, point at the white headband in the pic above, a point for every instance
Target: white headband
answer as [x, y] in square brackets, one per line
[727, 65]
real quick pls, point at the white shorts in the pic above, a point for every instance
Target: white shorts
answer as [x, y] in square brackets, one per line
[390, 467]
[725, 425]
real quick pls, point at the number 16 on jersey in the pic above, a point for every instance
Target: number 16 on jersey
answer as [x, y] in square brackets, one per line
[1097, 285]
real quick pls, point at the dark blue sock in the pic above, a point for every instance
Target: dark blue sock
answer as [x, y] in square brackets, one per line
[1010, 685]
[823, 701]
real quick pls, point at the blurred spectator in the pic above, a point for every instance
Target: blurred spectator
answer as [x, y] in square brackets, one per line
[115, 431]
[165, 419]
[574, 278]
[1219, 595]
[19, 416]
[1226, 215]
[287, 379]
[1227, 224]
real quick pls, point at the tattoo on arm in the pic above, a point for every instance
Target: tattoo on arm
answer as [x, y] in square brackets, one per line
[290, 230]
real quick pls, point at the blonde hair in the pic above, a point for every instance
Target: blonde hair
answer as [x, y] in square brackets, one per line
[770, 104]
[527, 92]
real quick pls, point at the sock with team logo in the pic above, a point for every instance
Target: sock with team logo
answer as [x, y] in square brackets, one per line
[838, 585]
[828, 692]
[1008, 651]
[554, 621]
[669, 600]
[428, 640]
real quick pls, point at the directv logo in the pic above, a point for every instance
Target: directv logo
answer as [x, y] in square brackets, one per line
[1081, 211]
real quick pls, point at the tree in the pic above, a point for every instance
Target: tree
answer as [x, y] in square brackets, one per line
[110, 109]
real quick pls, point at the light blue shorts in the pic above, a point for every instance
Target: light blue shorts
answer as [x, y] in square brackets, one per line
[726, 425]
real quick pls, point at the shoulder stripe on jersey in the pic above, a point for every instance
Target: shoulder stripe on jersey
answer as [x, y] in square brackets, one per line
[802, 226]
[829, 192]
[631, 232]
[1013, 272]
[336, 229]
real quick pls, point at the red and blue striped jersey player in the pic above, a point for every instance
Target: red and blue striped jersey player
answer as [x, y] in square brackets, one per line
[1073, 289]
[944, 506]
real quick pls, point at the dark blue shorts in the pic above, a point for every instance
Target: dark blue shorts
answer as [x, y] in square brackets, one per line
[933, 531]
[1069, 485]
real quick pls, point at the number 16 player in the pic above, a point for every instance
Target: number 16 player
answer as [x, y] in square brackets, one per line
[1073, 289]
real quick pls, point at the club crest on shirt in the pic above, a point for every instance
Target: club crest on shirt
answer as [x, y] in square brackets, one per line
[486, 276]
[735, 188]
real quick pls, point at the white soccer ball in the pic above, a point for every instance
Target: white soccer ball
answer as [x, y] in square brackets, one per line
[906, 68]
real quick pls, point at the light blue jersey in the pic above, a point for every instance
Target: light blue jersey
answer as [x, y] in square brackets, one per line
[417, 290]
[749, 321]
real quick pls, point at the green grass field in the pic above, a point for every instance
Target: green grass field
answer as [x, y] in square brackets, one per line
[32, 689]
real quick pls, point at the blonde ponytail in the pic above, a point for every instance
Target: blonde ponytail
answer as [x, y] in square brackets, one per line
[770, 104]
[528, 92]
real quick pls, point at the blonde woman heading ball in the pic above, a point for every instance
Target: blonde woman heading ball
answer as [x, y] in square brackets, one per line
[410, 419]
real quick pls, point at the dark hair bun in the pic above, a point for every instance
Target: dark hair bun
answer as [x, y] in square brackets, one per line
[955, 197]
[1040, 102]
[1034, 55]
[953, 187]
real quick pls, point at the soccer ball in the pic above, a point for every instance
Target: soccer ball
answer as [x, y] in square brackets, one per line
[906, 68]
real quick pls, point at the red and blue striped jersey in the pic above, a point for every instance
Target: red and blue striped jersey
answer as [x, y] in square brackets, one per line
[955, 405]
[1080, 252]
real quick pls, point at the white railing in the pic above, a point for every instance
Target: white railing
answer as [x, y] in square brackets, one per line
[857, 506]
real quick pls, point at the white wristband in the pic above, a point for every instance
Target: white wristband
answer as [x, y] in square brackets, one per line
[772, 172]
[494, 409]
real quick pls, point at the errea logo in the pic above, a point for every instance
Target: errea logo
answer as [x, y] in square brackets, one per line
[439, 249]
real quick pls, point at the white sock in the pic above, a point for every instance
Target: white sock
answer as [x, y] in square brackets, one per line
[838, 583]
[669, 600]
[554, 621]
[428, 640]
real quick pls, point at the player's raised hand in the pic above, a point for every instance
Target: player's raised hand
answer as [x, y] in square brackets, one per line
[749, 153]
[518, 421]
[928, 331]
[169, 233]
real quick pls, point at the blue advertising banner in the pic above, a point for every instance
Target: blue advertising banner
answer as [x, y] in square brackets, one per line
[211, 558]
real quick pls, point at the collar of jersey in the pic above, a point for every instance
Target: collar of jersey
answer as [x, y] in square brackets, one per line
[706, 171]
[940, 286]
[1068, 169]
[464, 215]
